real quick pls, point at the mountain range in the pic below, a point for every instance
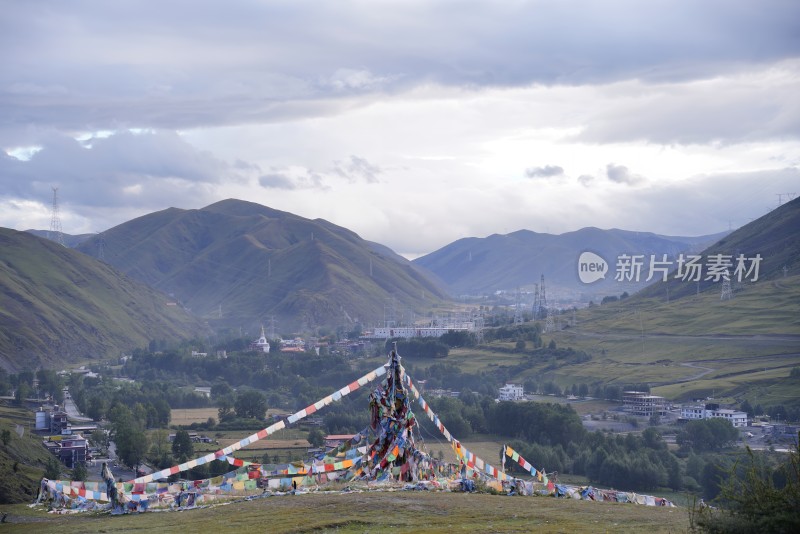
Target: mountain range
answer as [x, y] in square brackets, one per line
[238, 263]
[477, 266]
[58, 305]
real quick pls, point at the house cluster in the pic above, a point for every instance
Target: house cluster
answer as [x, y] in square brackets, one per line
[693, 412]
[64, 441]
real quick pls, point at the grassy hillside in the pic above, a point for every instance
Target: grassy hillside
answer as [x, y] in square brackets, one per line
[695, 347]
[23, 460]
[58, 305]
[249, 261]
[431, 512]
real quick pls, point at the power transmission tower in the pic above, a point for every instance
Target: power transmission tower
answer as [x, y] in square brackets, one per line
[55, 233]
[727, 293]
[389, 314]
[549, 325]
[479, 324]
[101, 248]
[518, 309]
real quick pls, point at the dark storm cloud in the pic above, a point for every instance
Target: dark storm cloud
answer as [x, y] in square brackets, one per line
[123, 169]
[620, 174]
[548, 171]
[92, 64]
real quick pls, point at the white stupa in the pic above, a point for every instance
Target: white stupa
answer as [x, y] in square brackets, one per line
[261, 344]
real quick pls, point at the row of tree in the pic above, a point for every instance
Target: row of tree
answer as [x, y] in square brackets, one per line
[552, 437]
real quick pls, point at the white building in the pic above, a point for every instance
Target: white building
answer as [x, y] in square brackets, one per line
[432, 330]
[695, 412]
[511, 392]
[261, 344]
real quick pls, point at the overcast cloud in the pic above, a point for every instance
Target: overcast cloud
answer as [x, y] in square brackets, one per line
[411, 123]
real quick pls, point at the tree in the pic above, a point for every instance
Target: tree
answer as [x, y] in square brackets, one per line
[158, 443]
[220, 389]
[96, 408]
[750, 500]
[23, 392]
[53, 469]
[707, 434]
[128, 434]
[583, 390]
[225, 408]
[5, 436]
[182, 448]
[79, 472]
[250, 404]
[315, 437]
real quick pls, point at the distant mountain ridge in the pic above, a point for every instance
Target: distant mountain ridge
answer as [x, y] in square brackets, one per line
[475, 266]
[238, 263]
[70, 241]
[59, 306]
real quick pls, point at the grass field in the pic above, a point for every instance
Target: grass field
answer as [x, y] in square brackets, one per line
[695, 347]
[187, 416]
[430, 512]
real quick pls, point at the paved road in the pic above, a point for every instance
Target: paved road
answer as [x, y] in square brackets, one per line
[73, 413]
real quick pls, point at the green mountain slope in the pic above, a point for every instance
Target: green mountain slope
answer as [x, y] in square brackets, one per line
[775, 237]
[58, 305]
[483, 265]
[237, 263]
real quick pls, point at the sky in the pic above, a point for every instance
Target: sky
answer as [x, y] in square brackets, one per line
[412, 123]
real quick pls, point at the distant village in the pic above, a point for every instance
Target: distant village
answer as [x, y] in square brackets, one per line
[64, 431]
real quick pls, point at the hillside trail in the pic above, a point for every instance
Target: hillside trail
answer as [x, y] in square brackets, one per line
[704, 372]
